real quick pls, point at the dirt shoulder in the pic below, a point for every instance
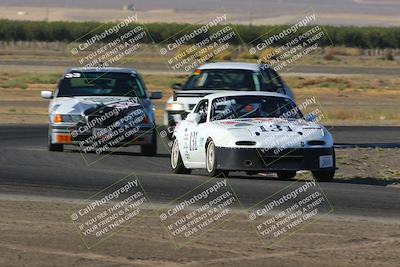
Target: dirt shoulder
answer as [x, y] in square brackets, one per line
[40, 233]
[374, 166]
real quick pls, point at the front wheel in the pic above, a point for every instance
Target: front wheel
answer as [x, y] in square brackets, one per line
[176, 160]
[211, 162]
[324, 176]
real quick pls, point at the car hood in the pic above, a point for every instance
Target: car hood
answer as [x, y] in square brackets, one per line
[273, 132]
[84, 104]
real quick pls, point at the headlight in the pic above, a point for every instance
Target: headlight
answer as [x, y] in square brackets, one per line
[174, 106]
[67, 118]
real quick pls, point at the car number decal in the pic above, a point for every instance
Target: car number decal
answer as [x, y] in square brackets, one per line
[72, 75]
[275, 128]
[193, 141]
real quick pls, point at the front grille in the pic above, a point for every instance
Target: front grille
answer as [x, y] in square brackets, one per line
[245, 143]
[316, 143]
[287, 161]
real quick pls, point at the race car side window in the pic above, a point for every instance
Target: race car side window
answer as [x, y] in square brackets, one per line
[201, 109]
[278, 82]
[270, 81]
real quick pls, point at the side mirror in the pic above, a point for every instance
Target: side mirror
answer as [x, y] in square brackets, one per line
[311, 117]
[193, 117]
[46, 94]
[177, 86]
[156, 95]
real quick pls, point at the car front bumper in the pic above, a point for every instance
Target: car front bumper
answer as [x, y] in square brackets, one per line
[61, 134]
[252, 159]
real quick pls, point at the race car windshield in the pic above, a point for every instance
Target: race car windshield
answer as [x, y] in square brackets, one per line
[100, 84]
[232, 79]
[236, 107]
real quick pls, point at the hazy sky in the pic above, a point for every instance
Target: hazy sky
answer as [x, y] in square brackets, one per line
[359, 12]
[257, 6]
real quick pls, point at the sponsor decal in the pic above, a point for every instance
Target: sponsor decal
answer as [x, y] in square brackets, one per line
[243, 124]
[229, 122]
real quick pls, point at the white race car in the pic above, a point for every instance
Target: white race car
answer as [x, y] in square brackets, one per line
[252, 132]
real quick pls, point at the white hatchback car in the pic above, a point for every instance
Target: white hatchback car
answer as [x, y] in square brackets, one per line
[219, 77]
[252, 132]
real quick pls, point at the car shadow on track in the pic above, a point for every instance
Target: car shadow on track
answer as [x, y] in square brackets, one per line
[368, 181]
[124, 153]
[243, 176]
[268, 177]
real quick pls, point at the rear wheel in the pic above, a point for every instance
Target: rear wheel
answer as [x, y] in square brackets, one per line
[286, 175]
[150, 149]
[176, 160]
[211, 162]
[324, 176]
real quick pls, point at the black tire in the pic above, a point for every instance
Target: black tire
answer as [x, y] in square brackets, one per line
[324, 176]
[176, 162]
[286, 175]
[212, 161]
[56, 147]
[151, 149]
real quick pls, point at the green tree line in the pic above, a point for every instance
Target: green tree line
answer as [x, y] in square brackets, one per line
[362, 37]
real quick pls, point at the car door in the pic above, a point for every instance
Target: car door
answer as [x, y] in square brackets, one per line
[197, 134]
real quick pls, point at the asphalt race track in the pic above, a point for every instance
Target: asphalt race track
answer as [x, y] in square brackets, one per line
[28, 168]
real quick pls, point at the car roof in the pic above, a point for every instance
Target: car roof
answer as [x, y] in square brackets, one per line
[243, 93]
[230, 65]
[103, 69]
